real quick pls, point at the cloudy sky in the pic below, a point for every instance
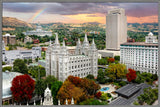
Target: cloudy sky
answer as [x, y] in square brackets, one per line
[79, 12]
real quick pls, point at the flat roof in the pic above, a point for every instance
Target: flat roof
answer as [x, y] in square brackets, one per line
[128, 101]
[128, 90]
[140, 43]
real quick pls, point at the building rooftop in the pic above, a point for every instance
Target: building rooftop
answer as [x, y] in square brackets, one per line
[140, 43]
[128, 90]
[7, 81]
[128, 101]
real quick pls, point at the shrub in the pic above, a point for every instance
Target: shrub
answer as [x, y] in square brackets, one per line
[122, 83]
[98, 94]
[9, 68]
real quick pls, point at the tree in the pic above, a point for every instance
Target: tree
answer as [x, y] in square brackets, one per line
[22, 88]
[101, 76]
[3, 63]
[40, 87]
[154, 77]
[20, 66]
[89, 86]
[49, 80]
[98, 94]
[117, 58]
[92, 102]
[69, 90]
[54, 89]
[9, 68]
[37, 71]
[29, 61]
[111, 60]
[131, 75]
[149, 96]
[90, 77]
[116, 71]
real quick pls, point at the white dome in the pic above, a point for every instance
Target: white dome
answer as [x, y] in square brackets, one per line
[150, 34]
[7, 34]
[7, 81]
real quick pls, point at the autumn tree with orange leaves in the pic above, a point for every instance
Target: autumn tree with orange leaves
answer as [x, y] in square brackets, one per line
[69, 90]
[111, 60]
[78, 88]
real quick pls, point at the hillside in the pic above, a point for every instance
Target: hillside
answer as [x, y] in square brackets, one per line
[14, 22]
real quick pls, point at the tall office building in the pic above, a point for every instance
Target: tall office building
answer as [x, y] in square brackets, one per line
[116, 29]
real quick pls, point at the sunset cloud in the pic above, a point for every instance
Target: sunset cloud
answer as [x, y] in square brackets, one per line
[74, 11]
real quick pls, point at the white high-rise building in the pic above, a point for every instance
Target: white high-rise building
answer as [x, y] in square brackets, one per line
[116, 29]
[61, 64]
[141, 56]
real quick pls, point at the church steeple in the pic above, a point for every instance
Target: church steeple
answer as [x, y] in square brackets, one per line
[56, 39]
[85, 46]
[79, 42]
[50, 43]
[85, 38]
[78, 47]
[85, 42]
[64, 48]
[93, 46]
[64, 43]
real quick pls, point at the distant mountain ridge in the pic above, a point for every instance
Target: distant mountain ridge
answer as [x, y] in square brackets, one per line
[14, 22]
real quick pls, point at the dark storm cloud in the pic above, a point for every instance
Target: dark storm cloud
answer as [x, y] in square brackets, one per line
[132, 9]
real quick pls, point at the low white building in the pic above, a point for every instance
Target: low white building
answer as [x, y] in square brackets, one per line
[11, 55]
[61, 64]
[38, 32]
[27, 39]
[141, 56]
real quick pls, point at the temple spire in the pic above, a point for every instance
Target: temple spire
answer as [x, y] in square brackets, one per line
[93, 46]
[50, 42]
[72, 101]
[59, 102]
[64, 43]
[56, 40]
[34, 102]
[66, 102]
[85, 38]
[93, 41]
[79, 42]
[41, 102]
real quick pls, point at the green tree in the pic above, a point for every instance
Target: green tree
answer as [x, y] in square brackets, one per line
[92, 102]
[117, 58]
[37, 71]
[55, 88]
[3, 63]
[20, 66]
[116, 71]
[29, 61]
[90, 77]
[101, 76]
[9, 68]
[39, 87]
[49, 80]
